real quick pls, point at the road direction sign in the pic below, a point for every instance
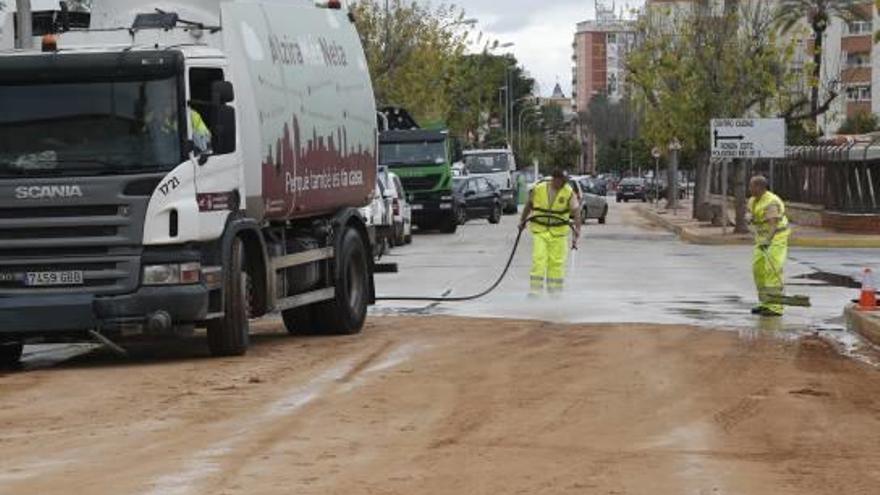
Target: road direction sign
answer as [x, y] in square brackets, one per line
[748, 138]
[656, 152]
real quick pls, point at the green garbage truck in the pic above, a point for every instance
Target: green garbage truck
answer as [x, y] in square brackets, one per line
[422, 158]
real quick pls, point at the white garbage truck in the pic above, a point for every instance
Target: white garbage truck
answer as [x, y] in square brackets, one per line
[180, 165]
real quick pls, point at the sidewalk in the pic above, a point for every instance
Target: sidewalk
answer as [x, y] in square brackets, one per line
[696, 232]
[866, 323]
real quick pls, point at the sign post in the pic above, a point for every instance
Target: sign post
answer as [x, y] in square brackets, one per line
[656, 154]
[724, 176]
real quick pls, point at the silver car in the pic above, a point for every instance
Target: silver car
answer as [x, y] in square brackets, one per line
[593, 205]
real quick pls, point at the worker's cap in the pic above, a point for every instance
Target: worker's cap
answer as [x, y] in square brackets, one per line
[559, 173]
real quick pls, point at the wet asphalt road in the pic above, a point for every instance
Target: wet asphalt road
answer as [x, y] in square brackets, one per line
[625, 272]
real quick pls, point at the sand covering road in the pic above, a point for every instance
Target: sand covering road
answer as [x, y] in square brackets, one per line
[452, 406]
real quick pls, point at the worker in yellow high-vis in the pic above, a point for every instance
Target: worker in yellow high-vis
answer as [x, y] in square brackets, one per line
[771, 245]
[554, 204]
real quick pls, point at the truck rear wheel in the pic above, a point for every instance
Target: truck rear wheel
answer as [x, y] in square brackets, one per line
[10, 354]
[229, 335]
[346, 314]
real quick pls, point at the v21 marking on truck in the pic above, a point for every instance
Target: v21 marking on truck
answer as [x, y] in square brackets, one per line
[169, 185]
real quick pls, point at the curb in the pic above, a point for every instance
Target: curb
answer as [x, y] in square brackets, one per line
[834, 242]
[690, 236]
[865, 323]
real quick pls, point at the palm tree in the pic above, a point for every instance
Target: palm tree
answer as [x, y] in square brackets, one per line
[818, 14]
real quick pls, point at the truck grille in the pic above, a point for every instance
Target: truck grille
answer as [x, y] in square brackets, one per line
[426, 183]
[100, 241]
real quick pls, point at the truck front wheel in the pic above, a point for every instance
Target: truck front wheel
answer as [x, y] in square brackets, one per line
[347, 312]
[10, 354]
[229, 335]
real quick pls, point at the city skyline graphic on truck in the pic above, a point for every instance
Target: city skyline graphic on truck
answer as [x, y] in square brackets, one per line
[316, 170]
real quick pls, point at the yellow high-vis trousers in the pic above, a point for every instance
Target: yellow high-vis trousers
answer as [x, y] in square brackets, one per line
[767, 271]
[549, 255]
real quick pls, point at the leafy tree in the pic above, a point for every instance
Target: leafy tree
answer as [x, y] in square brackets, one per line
[818, 14]
[860, 123]
[693, 67]
[413, 51]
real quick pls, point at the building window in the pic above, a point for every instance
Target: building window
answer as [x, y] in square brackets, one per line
[860, 27]
[856, 60]
[612, 38]
[858, 93]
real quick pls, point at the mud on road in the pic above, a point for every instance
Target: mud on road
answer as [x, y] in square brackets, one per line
[452, 406]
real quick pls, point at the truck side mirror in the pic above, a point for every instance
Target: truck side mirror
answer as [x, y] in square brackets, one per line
[223, 141]
[222, 92]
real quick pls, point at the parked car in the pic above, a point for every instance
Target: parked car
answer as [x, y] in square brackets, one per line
[499, 166]
[632, 188]
[477, 197]
[593, 205]
[379, 220]
[401, 209]
[600, 185]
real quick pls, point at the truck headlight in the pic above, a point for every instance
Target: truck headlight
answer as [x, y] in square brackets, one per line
[173, 274]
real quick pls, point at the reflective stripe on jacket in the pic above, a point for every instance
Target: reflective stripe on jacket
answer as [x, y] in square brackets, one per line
[560, 209]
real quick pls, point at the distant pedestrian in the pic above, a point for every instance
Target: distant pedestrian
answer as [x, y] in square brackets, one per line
[553, 204]
[771, 246]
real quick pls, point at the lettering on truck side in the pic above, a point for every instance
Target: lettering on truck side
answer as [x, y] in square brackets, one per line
[307, 51]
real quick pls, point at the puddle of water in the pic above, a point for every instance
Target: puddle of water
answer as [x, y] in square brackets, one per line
[832, 279]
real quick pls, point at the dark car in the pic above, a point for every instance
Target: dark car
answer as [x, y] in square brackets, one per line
[632, 188]
[477, 197]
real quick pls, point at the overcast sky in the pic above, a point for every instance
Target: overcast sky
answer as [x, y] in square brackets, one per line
[543, 31]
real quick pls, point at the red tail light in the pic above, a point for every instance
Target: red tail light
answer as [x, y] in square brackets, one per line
[395, 206]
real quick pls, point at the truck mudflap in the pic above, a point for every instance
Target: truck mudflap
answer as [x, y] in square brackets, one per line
[43, 316]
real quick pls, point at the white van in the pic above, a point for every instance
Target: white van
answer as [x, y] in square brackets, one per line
[499, 166]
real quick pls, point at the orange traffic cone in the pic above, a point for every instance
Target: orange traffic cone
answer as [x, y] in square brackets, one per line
[868, 298]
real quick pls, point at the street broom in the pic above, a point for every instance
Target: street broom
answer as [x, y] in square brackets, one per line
[778, 296]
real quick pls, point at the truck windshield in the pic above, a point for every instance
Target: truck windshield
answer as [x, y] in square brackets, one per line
[487, 163]
[89, 128]
[427, 153]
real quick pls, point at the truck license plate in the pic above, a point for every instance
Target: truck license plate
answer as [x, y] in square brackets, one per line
[44, 279]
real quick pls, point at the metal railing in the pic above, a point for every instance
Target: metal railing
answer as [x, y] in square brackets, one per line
[844, 179]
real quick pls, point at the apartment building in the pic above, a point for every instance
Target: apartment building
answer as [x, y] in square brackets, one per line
[599, 67]
[850, 67]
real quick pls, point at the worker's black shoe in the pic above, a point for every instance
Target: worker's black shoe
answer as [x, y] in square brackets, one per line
[757, 310]
[769, 313]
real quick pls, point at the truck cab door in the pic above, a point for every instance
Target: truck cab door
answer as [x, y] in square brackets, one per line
[212, 133]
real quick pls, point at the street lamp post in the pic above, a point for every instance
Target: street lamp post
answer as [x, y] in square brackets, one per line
[674, 150]
[656, 154]
[522, 113]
